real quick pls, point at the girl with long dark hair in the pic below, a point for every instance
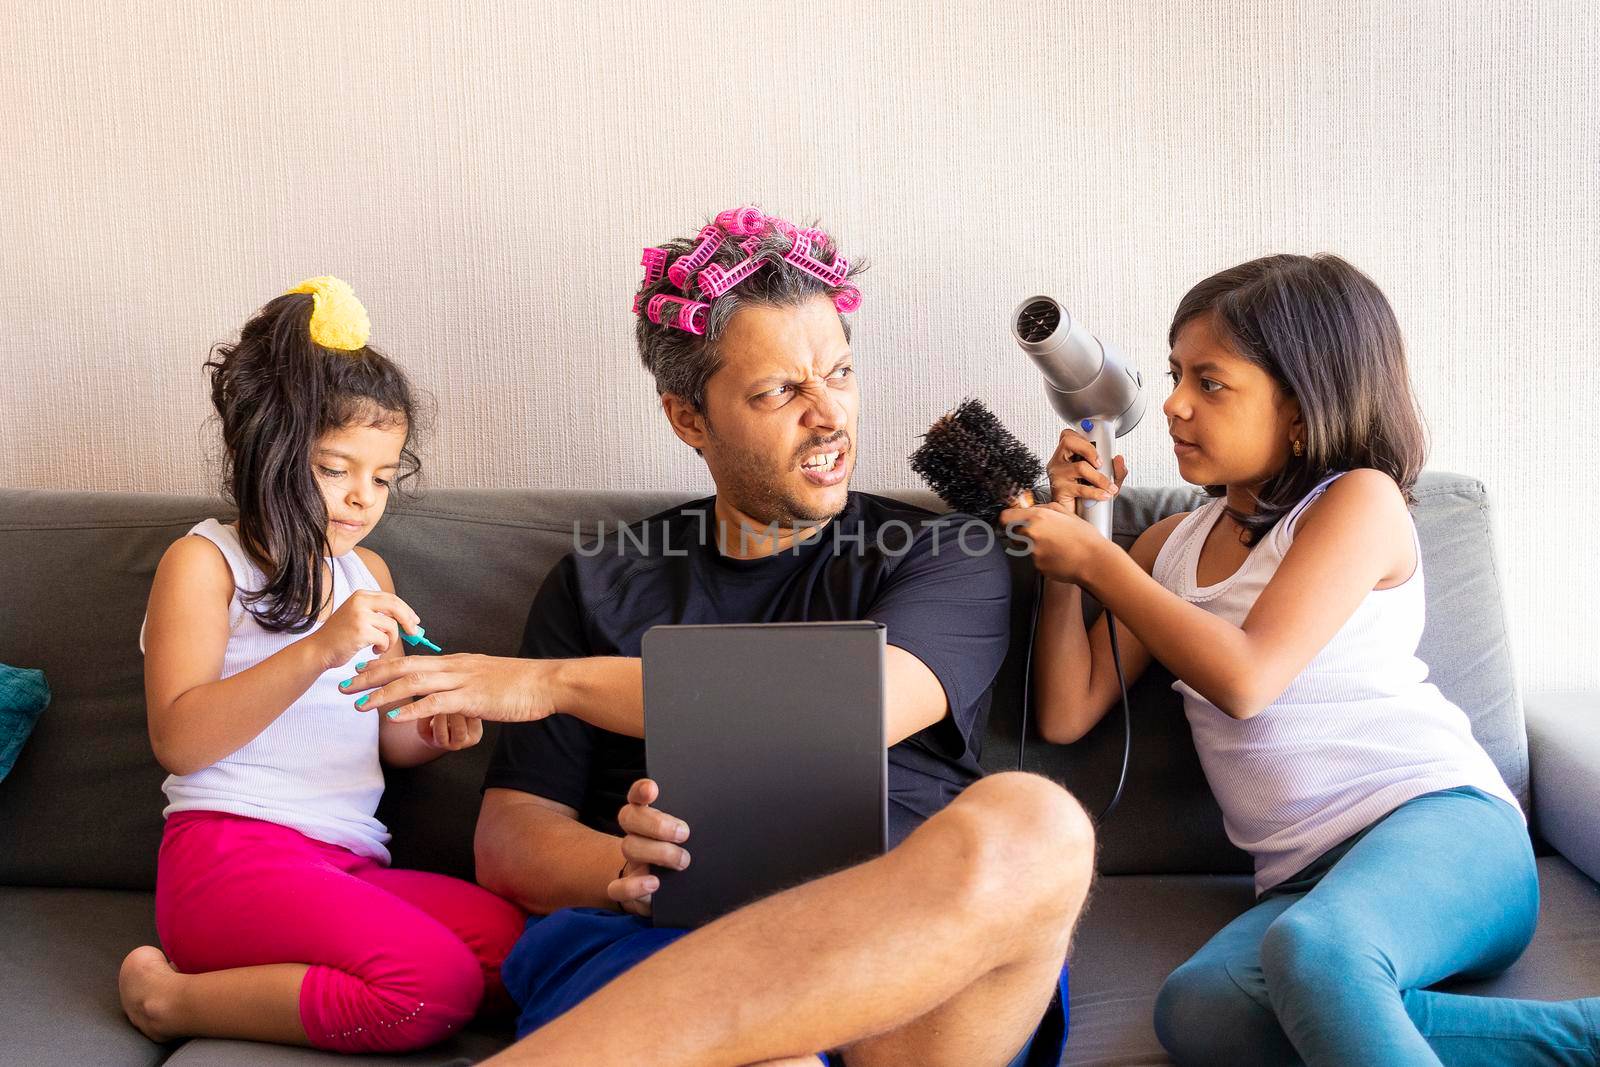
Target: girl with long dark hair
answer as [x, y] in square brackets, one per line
[275, 902]
[1389, 853]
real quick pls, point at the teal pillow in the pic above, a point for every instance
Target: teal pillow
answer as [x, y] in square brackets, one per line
[23, 695]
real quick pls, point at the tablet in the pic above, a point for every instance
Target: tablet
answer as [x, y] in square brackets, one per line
[768, 740]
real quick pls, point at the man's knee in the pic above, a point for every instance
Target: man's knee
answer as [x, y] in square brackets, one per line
[1016, 838]
[1203, 1017]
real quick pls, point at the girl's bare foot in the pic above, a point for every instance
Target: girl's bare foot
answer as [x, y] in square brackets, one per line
[146, 983]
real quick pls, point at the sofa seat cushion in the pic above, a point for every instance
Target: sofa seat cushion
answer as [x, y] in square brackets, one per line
[58, 975]
[58, 980]
[460, 1051]
[1139, 927]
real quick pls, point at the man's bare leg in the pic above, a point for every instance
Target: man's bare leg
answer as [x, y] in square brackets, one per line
[949, 946]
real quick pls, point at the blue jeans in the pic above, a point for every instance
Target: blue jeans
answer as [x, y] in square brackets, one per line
[1332, 967]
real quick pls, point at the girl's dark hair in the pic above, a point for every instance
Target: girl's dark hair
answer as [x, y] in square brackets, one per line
[276, 392]
[1328, 337]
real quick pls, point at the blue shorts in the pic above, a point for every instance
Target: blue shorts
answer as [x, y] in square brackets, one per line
[564, 957]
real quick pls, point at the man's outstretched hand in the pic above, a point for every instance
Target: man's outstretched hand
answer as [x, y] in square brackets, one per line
[652, 839]
[480, 687]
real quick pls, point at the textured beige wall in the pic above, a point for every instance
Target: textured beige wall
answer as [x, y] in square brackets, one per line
[486, 172]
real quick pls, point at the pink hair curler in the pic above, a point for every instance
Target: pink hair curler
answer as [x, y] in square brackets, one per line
[711, 238]
[749, 245]
[847, 299]
[714, 280]
[799, 254]
[743, 221]
[690, 317]
[654, 262]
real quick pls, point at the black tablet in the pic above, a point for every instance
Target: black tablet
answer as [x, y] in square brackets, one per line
[768, 740]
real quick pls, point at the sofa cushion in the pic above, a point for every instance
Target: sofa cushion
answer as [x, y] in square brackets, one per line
[459, 1051]
[1139, 927]
[59, 957]
[58, 980]
[76, 568]
[1564, 762]
[470, 562]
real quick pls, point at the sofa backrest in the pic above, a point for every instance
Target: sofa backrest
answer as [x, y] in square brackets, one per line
[82, 807]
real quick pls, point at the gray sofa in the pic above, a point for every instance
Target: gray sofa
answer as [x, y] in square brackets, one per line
[80, 813]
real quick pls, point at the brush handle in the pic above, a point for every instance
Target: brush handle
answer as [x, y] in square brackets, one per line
[1102, 433]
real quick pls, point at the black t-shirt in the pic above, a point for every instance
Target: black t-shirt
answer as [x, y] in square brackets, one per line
[939, 586]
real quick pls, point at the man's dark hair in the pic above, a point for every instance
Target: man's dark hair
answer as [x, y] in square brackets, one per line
[683, 362]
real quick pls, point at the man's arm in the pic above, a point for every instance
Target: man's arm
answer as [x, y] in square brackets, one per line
[535, 853]
[608, 692]
[914, 697]
[604, 691]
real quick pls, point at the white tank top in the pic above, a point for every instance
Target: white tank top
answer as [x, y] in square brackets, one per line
[1358, 732]
[315, 767]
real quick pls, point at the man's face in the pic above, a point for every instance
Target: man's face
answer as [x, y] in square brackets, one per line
[779, 428]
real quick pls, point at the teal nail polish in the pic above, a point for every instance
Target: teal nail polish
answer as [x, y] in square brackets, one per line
[363, 701]
[393, 713]
[360, 667]
[346, 683]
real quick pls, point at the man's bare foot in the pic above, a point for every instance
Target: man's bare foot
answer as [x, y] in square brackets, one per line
[146, 982]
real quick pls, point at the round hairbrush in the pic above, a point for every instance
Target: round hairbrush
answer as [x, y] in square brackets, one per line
[975, 464]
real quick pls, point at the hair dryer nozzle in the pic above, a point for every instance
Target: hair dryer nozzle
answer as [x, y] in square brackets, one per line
[1086, 378]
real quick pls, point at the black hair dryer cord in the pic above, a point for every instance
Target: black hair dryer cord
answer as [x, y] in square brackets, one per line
[1122, 685]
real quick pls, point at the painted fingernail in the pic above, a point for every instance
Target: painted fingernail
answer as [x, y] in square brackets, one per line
[360, 667]
[346, 683]
[363, 701]
[393, 713]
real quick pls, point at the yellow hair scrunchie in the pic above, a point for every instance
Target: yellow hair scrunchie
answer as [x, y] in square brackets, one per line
[338, 319]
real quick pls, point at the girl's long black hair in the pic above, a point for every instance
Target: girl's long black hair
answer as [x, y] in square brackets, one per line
[276, 392]
[1327, 335]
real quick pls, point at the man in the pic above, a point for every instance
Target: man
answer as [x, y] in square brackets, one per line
[950, 948]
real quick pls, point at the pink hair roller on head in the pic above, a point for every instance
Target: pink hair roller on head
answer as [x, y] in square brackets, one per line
[654, 261]
[711, 238]
[714, 281]
[690, 317]
[743, 221]
[749, 245]
[799, 254]
[847, 299]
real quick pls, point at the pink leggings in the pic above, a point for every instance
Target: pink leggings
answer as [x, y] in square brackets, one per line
[399, 959]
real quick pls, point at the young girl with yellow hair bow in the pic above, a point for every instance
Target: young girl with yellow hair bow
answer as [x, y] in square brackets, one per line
[280, 916]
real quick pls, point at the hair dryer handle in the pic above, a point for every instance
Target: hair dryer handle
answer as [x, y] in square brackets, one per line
[1102, 433]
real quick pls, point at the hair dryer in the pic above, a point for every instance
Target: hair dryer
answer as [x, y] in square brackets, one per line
[1088, 383]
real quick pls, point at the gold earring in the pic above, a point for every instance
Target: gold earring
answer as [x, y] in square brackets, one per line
[1298, 448]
